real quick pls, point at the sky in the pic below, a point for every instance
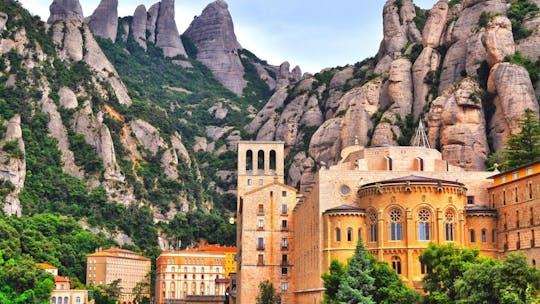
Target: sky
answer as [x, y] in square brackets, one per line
[313, 34]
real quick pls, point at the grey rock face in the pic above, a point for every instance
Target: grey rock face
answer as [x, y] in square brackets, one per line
[13, 167]
[515, 94]
[138, 26]
[151, 23]
[498, 40]
[3, 20]
[167, 37]
[435, 24]
[148, 136]
[68, 99]
[104, 20]
[65, 10]
[213, 34]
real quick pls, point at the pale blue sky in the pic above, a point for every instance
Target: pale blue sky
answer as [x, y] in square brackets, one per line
[312, 34]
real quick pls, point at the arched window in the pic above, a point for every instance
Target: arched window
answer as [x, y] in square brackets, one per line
[396, 264]
[484, 235]
[260, 160]
[53, 300]
[338, 235]
[349, 234]
[66, 300]
[78, 300]
[202, 288]
[424, 229]
[473, 236]
[395, 225]
[449, 226]
[60, 300]
[249, 160]
[272, 160]
[373, 226]
[534, 262]
[493, 236]
[420, 163]
[359, 233]
[389, 165]
[517, 218]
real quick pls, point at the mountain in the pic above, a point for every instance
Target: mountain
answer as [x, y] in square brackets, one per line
[130, 128]
[468, 69]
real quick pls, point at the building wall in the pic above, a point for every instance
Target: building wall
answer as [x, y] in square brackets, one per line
[516, 196]
[104, 267]
[189, 273]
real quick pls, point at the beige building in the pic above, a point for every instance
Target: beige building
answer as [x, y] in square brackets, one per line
[197, 275]
[397, 199]
[62, 292]
[516, 196]
[105, 266]
[265, 221]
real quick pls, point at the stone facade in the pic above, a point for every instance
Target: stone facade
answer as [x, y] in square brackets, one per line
[106, 266]
[516, 196]
[265, 221]
[197, 275]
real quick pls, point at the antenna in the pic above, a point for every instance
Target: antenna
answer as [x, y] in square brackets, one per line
[420, 138]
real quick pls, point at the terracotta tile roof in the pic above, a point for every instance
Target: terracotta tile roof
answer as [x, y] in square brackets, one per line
[414, 179]
[59, 279]
[345, 208]
[45, 266]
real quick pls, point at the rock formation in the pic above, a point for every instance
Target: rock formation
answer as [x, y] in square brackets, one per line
[63, 10]
[213, 34]
[138, 26]
[104, 20]
[167, 36]
[13, 165]
[151, 24]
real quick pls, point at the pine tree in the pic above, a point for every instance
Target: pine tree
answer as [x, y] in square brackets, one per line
[357, 284]
[268, 294]
[524, 147]
[332, 280]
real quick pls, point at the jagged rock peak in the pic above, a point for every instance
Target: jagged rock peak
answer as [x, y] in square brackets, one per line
[138, 26]
[213, 34]
[65, 10]
[104, 20]
[167, 36]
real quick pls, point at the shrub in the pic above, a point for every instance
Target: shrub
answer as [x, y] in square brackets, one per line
[518, 12]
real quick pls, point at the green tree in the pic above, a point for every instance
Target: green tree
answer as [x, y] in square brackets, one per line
[389, 287]
[268, 294]
[357, 284]
[332, 280]
[511, 280]
[524, 147]
[445, 264]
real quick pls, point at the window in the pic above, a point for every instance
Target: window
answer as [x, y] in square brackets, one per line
[484, 236]
[261, 182]
[516, 194]
[260, 210]
[284, 243]
[470, 200]
[249, 160]
[260, 160]
[284, 193]
[449, 226]
[472, 236]
[338, 235]
[493, 236]
[249, 182]
[388, 163]
[504, 197]
[284, 271]
[78, 300]
[373, 226]
[396, 264]
[530, 190]
[284, 225]
[514, 175]
[531, 219]
[423, 268]
[284, 208]
[518, 242]
[349, 234]
[503, 179]
[345, 190]
[202, 288]
[517, 218]
[260, 259]
[272, 160]
[424, 218]
[284, 259]
[395, 225]
[260, 224]
[53, 300]
[284, 286]
[260, 243]
[533, 242]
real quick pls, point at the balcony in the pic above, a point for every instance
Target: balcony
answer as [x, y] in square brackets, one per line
[284, 229]
[284, 247]
[260, 247]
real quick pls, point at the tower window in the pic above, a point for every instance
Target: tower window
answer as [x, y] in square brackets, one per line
[424, 219]
[395, 225]
[449, 226]
[349, 234]
[260, 160]
[484, 235]
[249, 160]
[389, 163]
[396, 264]
[373, 226]
[338, 235]
[260, 259]
[272, 160]
[470, 200]
[472, 236]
